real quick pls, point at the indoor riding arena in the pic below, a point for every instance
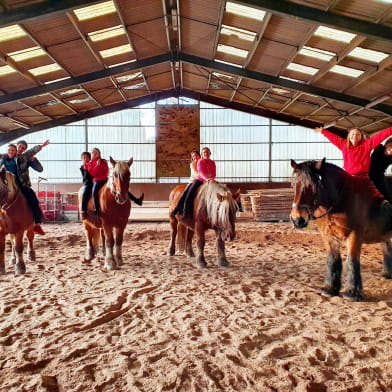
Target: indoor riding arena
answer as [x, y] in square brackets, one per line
[251, 293]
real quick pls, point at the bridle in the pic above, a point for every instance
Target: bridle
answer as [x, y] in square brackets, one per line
[312, 208]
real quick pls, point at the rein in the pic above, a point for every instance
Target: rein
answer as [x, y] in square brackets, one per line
[7, 207]
[311, 210]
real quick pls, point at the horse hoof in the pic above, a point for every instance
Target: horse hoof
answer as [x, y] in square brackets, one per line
[171, 252]
[350, 296]
[223, 263]
[190, 254]
[21, 270]
[201, 264]
[327, 292]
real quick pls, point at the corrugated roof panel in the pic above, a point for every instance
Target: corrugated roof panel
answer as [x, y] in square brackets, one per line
[198, 38]
[149, 39]
[206, 11]
[139, 11]
[52, 29]
[76, 57]
[270, 57]
[291, 31]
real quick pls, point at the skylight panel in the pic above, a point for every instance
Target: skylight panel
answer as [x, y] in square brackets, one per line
[336, 35]
[240, 33]
[44, 69]
[72, 91]
[347, 71]
[280, 91]
[135, 86]
[26, 54]
[11, 32]
[368, 54]
[57, 80]
[292, 79]
[117, 50]
[243, 10]
[222, 76]
[317, 53]
[127, 78]
[302, 68]
[232, 50]
[6, 70]
[80, 100]
[110, 32]
[93, 11]
[228, 63]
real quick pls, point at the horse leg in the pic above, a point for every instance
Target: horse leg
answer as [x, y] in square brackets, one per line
[387, 252]
[353, 289]
[220, 248]
[201, 241]
[188, 242]
[103, 242]
[333, 279]
[12, 258]
[173, 234]
[20, 267]
[30, 245]
[2, 250]
[90, 242]
[118, 240]
[110, 263]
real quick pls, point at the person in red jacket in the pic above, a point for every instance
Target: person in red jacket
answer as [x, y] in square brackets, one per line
[99, 171]
[356, 148]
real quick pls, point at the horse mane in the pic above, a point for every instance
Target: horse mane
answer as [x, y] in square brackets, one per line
[217, 211]
[328, 181]
[11, 188]
[121, 168]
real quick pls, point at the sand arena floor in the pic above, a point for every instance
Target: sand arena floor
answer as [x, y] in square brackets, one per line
[160, 324]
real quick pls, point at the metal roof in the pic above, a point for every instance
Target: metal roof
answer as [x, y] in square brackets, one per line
[66, 60]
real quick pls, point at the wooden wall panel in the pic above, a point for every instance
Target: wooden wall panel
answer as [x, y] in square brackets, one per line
[178, 133]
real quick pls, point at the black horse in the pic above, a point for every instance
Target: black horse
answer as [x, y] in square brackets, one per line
[346, 208]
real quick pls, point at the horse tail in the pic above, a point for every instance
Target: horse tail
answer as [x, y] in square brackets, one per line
[182, 232]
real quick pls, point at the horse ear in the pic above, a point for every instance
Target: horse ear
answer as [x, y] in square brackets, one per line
[130, 162]
[112, 161]
[319, 164]
[237, 194]
[294, 164]
[220, 197]
[2, 172]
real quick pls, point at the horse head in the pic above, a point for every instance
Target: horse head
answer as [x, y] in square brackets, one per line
[8, 187]
[221, 206]
[306, 183]
[121, 176]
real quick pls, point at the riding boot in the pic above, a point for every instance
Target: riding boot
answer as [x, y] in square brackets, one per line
[38, 229]
[84, 214]
[136, 200]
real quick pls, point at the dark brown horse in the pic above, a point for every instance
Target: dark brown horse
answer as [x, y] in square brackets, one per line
[215, 208]
[346, 208]
[16, 219]
[115, 209]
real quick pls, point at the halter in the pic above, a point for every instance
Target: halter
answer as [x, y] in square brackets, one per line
[116, 193]
[311, 208]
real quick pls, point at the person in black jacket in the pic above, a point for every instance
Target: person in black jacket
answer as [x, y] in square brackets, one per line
[380, 159]
[88, 186]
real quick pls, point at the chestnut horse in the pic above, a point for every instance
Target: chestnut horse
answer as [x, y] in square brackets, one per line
[16, 219]
[115, 209]
[215, 208]
[346, 208]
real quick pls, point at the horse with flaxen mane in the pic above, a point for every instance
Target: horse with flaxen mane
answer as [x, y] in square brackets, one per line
[16, 219]
[215, 208]
[346, 208]
[110, 225]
